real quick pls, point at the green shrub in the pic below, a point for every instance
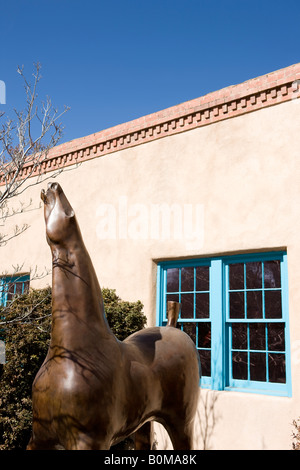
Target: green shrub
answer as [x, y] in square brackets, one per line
[123, 317]
[27, 336]
[26, 345]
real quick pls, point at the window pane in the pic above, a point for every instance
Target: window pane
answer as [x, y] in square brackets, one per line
[173, 280]
[205, 359]
[239, 336]
[10, 289]
[236, 305]
[254, 304]
[239, 365]
[9, 296]
[277, 368]
[272, 273]
[254, 275]
[19, 288]
[26, 287]
[236, 276]
[276, 341]
[258, 366]
[257, 332]
[187, 305]
[204, 335]
[202, 305]
[190, 329]
[273, 304]
[202, 278]
[187, 279]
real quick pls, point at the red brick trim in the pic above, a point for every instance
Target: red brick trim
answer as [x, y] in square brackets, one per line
[252, 95]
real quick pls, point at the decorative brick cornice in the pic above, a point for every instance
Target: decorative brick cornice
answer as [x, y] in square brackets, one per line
[255, 94]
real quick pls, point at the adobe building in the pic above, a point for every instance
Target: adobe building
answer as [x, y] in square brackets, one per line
[200, 203]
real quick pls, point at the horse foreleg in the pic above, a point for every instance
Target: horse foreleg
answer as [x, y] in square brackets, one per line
[143, 437]
[181, 434]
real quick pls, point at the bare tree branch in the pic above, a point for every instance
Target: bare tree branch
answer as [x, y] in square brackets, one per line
[25, 314]
[25, 142]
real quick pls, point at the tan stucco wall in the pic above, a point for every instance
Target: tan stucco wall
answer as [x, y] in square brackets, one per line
[243, 174]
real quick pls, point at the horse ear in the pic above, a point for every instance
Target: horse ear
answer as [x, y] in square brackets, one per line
[43, 196]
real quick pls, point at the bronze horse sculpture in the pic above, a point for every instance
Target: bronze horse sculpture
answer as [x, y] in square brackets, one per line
[92, 391]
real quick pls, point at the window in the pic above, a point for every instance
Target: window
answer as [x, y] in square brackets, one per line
[236, 311]
[10, 286]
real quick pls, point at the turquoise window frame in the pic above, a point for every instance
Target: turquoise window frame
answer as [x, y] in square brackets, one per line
[5, 281]
[221, 373]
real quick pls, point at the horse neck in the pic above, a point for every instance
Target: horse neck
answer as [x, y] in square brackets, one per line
[77, 304]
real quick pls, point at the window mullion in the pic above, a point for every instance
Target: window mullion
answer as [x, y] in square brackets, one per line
[159, 296]
[285, 317]
[217, 333]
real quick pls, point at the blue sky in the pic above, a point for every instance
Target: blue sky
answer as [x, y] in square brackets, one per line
[112, 61]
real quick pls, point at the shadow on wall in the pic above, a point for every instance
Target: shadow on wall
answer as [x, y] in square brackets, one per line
[205, 422]
[206, 419]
